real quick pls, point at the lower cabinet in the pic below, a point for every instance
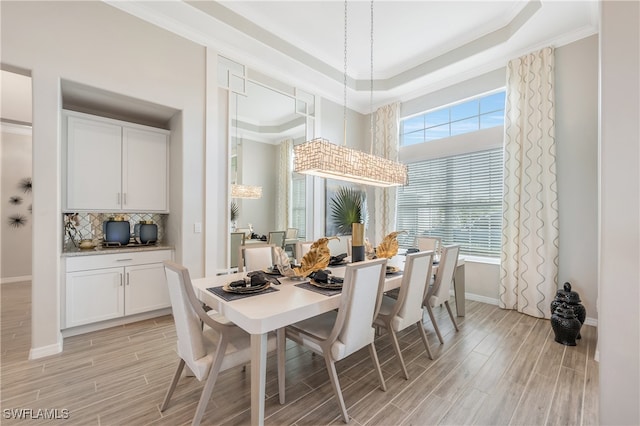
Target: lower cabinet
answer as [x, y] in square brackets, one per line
[97, 288]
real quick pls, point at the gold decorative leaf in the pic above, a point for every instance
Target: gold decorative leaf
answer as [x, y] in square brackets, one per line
[389, 245]
[316, 259]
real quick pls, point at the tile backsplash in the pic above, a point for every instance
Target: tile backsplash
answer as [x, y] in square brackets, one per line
[89, 225]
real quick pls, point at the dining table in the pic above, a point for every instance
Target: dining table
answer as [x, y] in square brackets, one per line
[280, 305]
[258, 314]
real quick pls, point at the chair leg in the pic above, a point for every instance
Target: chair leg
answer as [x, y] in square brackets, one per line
[208, 386]
[376, 363]
[333, 376]
[435, 325]
[424, 338]
[396, 348]
[282, 343]
[172, 386]
[453, 320]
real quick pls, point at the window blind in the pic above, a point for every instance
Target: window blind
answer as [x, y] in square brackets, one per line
[298, 205]
[457, 198]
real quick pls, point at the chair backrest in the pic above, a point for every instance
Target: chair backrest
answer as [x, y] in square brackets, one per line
[359, 305]
[444, 275]
[302, 248]
[292, 234]
[276, 238]
[338, 246]
[255, 257]
[245, 231]
[187, 314]
[433, 244]
[415, 279]
[237, 240]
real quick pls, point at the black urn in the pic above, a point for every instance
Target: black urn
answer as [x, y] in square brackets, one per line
[565, 324]
[572, 299]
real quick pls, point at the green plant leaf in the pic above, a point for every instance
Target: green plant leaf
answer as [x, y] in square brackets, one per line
[347, 207]
[235, 211]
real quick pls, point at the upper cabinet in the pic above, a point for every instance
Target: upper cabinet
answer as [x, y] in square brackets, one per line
[114, 166]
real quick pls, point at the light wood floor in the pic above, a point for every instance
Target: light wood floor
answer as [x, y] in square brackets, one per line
[500, 368]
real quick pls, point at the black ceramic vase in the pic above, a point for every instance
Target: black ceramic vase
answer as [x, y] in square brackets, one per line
[565, 324]
[572, 299]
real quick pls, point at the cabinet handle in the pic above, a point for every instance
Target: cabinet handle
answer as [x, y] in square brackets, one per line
[127, 278]
[125, 198]
[120, 280]
[123, 260]
[118, 198]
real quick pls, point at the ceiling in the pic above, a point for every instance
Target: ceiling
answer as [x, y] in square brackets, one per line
[419, 46]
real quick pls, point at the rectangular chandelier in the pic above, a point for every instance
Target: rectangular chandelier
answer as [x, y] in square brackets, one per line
[319, 157]
[246, 191]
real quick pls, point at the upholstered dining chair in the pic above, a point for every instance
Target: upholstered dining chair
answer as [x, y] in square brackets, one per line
[433, 244]
[255, 257]
[438, 293]
[338, 334]
[205, 345]
[236, 241]
[302, 248]
[398, 314]
[276, 238]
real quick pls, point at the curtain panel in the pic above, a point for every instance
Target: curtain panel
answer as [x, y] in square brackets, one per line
[387, 121]
[283, 195]
[529, 267]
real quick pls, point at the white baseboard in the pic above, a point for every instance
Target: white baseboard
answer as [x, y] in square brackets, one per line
[48, 350]
[8, 280]
[483, 299]
[88, 328]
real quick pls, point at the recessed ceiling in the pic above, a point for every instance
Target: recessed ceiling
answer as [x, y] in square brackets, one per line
[419, 46]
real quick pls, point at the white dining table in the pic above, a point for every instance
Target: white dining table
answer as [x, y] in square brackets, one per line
[266, 312]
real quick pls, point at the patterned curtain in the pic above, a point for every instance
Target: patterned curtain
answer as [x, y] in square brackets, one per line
[529, 268]
[283, 195]
[386, 145]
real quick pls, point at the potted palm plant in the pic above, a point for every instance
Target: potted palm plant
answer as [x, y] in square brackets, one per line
[235, 212]
[347, 207]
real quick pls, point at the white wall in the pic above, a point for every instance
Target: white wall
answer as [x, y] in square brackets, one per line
[15, 155]
[619, 275]
[114, 51]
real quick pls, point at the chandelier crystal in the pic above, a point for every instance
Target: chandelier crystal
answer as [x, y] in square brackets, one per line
[319, 157]
[246, 191]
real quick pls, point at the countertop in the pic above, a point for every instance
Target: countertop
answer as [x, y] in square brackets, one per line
[113, 250]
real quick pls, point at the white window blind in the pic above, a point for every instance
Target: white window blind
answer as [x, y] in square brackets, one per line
[298, 205]
[457, 198]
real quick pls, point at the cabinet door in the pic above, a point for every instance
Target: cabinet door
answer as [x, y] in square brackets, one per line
[95, 295]
[145, 170]
[94, 165]
[145, 288]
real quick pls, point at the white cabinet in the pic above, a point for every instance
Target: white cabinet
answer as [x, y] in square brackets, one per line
[104, 287]
[115, 166]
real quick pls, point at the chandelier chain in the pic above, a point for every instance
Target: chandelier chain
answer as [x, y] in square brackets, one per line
[345, 75]
[371, 85]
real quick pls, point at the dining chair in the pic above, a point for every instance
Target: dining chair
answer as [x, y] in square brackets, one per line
[439, 292]
[276, 238]
[290, 240]
[302, 248]
[237, 240]
[338, 334]
[424, 243]
[255, 257]
[245, 231]
[398, 314]
[205, 345]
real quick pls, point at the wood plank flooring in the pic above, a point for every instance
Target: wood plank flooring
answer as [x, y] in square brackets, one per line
[501, 368]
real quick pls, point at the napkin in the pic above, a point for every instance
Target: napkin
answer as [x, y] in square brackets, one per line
[259, 278]
[334, 260]
[325, 276]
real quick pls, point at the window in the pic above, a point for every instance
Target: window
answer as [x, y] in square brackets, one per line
[470, 116]
[298, 204]
[457, 198]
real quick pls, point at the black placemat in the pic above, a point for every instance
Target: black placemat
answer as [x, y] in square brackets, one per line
[230, 297]
[326, 291]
